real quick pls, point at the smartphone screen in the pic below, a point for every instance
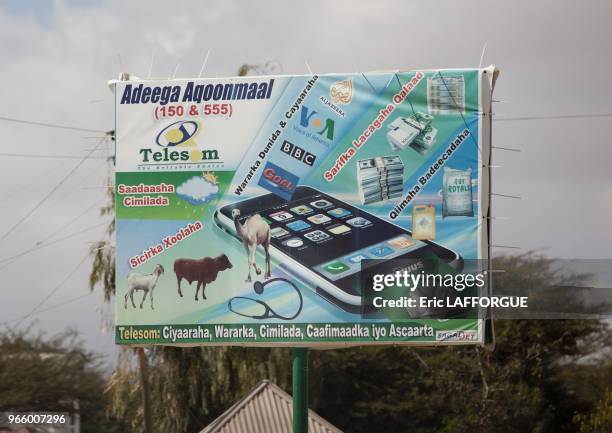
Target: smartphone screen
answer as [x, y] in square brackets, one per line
[331, 237]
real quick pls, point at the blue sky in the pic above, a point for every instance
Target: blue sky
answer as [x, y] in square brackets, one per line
[42, 10]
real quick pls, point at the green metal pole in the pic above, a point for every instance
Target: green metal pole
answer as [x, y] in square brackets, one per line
[300, 390]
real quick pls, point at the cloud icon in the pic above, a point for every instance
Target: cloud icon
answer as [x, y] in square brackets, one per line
[197, 190]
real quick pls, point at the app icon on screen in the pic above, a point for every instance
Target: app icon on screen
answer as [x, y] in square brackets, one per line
[357, 258]
[293, 242]
[317, 236]
[401, 242]
[281, 216]
[339, 229]
[336, 267]
[278, 232]
[298, 225]
[321, 203]
[359, 222]
[301, 209]
[319, 218]
[380, 250]
[338, 212]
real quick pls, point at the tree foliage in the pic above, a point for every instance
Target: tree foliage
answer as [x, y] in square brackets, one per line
[190, 387]
[599, 420]
[53, 374]
[103, 267]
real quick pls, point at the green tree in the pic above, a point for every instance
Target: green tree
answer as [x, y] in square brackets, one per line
[190, 387]
[600, 419]
[52, 374]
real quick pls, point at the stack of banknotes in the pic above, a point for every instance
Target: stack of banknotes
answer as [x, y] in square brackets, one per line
[380, 178]
[414, 131]
[446, 94]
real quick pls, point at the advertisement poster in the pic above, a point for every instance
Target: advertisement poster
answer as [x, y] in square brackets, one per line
[247, 207]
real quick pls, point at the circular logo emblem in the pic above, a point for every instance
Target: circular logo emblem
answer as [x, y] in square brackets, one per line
[177, 133]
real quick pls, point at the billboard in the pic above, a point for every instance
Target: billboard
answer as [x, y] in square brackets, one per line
[268, 210]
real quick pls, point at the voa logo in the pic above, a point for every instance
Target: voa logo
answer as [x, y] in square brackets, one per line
[321, 125]
[179, 145]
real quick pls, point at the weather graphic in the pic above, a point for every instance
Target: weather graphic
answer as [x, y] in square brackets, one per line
[199, 189]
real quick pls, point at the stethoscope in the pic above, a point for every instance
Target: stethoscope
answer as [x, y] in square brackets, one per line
[269, 313]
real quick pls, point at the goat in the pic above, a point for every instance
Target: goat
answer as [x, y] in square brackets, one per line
[146, 283]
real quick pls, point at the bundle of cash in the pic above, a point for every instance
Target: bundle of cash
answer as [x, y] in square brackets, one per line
[380, 178]
[414, 131]
[425, 140]
[446, 94]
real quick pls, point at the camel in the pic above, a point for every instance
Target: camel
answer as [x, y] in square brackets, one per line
[255, 231]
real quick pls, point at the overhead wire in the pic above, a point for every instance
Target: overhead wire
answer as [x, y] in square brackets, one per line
[54, 290]
[32, 182]
[556, 116]
[42, 155]
[38, 247]
[42, 243]
[49, 125]
[44, 310]
[63, 226]
[61, 304]
[67, 224]
[53, 190]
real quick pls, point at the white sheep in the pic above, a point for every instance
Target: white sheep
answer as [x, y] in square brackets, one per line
[146, 283]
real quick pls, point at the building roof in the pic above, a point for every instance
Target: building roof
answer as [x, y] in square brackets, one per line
[266, 409]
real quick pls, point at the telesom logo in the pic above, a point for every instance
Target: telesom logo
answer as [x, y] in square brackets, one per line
[179, 134]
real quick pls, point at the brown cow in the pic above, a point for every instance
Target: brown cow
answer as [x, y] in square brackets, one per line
[204, 271]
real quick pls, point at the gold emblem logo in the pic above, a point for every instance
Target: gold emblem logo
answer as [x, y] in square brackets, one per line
[341, 92]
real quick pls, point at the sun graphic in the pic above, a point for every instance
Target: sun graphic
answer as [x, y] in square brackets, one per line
[210, 177]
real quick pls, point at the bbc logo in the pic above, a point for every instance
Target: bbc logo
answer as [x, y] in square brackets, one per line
[298, 153]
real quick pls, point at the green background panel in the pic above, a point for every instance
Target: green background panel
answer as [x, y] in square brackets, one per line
[178, 208]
